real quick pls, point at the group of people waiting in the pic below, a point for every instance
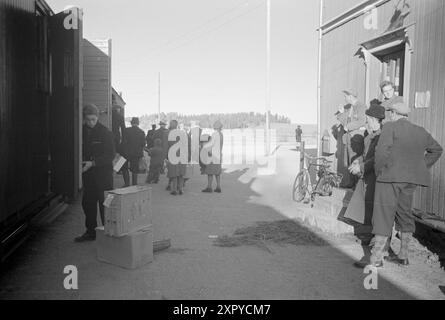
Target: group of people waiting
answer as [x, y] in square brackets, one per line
[100, 146]
[384, 158]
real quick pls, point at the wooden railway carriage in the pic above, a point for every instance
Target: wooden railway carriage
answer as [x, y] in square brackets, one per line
[40, 111]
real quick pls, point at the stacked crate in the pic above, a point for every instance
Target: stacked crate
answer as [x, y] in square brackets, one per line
[126, 240]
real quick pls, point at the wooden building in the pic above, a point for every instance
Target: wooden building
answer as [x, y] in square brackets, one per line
[40, 110]
[366, 42]
[97, 77]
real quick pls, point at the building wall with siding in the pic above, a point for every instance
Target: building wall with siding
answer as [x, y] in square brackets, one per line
[342, 69]
[97, 77]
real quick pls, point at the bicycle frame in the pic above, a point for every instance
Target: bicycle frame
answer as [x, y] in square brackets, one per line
[323, 173]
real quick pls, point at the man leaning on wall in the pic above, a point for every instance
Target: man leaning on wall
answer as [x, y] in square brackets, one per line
[354, 127]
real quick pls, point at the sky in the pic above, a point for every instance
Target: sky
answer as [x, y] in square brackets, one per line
[211, 54]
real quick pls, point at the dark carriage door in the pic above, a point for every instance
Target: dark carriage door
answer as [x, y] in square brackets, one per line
[65, 104]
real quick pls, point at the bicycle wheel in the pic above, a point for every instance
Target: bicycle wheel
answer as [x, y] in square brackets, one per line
[300, 187]
[325, 186]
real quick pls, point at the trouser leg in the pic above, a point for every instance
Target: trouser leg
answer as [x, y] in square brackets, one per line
[126, 176]
[89, 206]
[385, 204]
[101, 199]
[180, 183]
[156, 174]
[404, 218]
[134, 179]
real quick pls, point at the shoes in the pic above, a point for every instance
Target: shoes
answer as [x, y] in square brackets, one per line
[181, 192]
[86, 237]
[364, 264]
[174, 193]
[397, 260]
[208, 190]
[218, 190]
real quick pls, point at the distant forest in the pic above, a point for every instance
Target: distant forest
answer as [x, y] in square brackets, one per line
[230, 120]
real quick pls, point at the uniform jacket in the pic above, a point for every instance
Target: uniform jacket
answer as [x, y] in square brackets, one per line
[98, 146]
[133, 143]
[404, 154]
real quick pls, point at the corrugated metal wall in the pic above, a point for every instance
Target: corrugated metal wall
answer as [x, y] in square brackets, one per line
[23, 111]
[341, 69]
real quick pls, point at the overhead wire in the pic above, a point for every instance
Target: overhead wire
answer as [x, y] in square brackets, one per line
[209, 31]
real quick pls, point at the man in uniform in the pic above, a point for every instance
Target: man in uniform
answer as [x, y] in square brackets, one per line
[403, 156]
[98, 155]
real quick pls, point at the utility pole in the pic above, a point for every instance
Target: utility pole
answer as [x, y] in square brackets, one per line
[268, 68]
[320, 41]
[159, 97]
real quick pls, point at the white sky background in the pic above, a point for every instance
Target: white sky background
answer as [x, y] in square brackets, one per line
[208, 65]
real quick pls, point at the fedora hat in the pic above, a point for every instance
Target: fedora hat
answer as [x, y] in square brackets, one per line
[376, 111]
[388, 103]
[400, 108]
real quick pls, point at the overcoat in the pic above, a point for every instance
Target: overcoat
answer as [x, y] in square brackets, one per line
[98, 146]
[404, 154]
[361, 206]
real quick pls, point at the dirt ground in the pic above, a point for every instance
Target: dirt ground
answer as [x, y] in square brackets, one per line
[194, 268]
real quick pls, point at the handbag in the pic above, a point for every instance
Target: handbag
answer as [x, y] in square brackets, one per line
[142, 165]
[357, 209]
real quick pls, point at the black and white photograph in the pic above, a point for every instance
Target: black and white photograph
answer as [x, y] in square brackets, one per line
[218, 157]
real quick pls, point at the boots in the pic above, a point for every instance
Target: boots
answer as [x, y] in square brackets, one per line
[387, 250]
[402, 257]
[376, 259]
[377, 251]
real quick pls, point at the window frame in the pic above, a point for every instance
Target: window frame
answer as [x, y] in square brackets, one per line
[394, 41]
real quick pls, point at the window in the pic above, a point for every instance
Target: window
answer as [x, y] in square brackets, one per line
[393, 68]
[392, 51]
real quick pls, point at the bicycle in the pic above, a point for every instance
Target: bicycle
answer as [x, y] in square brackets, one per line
[327, 180]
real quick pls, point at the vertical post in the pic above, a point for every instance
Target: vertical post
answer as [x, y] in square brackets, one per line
[268, 63]
[302, 153]
[159, 97]
[320, 38]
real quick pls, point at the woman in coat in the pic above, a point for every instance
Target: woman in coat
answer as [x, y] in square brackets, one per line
[175, 172]
[214, 168]
[362, 203]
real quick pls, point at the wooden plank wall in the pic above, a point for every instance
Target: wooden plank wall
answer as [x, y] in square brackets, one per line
[341, 69]
[23, 111]
[97, 77]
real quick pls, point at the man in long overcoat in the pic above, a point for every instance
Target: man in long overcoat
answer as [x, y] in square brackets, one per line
[98, 154]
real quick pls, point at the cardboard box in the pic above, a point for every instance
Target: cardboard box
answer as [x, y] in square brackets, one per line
[127, 210]
[131, 251]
